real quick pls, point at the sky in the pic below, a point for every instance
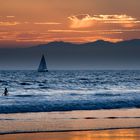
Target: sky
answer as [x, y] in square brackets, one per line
[24, 23]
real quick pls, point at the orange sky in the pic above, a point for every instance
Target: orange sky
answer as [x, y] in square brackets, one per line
[29, 22]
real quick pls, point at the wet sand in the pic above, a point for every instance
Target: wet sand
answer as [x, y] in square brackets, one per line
[72, 120]
[118, 134]
[116, 124]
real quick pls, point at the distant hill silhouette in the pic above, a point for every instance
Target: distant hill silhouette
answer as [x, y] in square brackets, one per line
[101, 43]
[64, 55]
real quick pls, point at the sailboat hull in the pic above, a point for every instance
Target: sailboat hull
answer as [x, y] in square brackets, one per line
[42, 70]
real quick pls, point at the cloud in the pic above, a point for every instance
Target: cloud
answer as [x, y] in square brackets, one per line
[86, 31]
[69, 31]
[81, 21]
[85, 20]
[91, 39]
[6, 23]
[10, 16]
[47, 23]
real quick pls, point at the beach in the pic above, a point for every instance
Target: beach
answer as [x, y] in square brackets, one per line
[73, 125]
[118, 134]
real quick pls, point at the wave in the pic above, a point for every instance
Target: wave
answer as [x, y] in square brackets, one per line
[107, 94]
[43, 105]
[30, 91]
[96, 118]
[59, 131]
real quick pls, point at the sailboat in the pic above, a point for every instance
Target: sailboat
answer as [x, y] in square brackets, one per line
[42, 66]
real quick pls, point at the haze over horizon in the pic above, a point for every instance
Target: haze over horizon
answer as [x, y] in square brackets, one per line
[29, 23]
[99, 55]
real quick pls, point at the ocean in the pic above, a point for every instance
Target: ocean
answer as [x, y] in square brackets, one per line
[30, 91]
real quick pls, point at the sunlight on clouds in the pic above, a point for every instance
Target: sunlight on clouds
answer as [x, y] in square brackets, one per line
[47, 23]
[95, 38]
[46, 37]
[76, 36]
[8, 23]
[68, 31]
[81, 21]
[86, 31]
[85, 20]
[68, 20]
[10, 16]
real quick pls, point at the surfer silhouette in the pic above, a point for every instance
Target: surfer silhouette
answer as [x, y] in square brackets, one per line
[5, 92]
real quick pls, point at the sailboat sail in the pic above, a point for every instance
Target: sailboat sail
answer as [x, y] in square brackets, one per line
[42, 66]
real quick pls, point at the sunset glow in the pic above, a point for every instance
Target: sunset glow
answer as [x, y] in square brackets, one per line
[26, 23]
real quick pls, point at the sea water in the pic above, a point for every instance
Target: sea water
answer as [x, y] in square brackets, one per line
[31, 91]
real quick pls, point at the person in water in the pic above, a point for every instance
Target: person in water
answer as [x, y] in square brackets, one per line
[5, 92]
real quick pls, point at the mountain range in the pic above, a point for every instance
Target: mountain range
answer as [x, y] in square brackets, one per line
[64, 55]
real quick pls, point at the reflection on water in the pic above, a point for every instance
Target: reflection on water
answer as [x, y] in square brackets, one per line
[73, 120]
[122, 134]
[30, 91]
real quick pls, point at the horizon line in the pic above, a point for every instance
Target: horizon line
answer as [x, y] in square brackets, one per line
[75, 43]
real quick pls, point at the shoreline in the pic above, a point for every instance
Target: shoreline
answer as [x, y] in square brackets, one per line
[65, 131]
[72, 121]
[115, 134]
[59, 111]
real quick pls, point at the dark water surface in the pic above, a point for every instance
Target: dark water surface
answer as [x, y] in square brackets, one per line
[31, 91]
